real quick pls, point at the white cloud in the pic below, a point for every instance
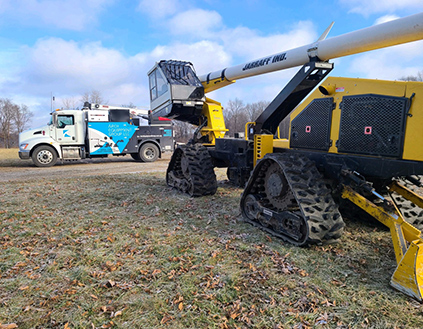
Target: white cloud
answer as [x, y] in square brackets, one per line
[240, 43]
[255, 89]
[368, 7]
[386, 18]
[158, 8]
[129, 92]
[196, 22]
[205, 55]
[68, 69]
[75, 64]
[391, 63]
[66, 14]
[249, 44]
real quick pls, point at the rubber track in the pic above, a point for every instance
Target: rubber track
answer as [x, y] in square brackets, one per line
[325, 223]
[412, 213]
[315, 200]
[201, 178]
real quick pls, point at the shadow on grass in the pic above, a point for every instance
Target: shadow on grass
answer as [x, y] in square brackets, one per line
[13, 163]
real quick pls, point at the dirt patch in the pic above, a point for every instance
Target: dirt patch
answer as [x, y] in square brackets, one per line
[25, 170]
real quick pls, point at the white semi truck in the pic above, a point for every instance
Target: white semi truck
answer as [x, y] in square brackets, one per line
[97, 131]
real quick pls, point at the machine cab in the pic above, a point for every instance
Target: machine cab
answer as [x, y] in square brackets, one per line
[175, 91]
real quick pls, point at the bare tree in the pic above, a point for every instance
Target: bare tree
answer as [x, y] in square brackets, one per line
[22, 118]
[13, 120]
[7, 110]
[235, 116]
[70, 103]
[93, 97]
[183, 131]
[253, 110]
[418, 77]
[130, 105]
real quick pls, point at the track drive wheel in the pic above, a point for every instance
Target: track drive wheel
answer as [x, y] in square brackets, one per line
[287, 197]
[191, 171]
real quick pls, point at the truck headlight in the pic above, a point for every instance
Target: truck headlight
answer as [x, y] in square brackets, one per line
[23, 146]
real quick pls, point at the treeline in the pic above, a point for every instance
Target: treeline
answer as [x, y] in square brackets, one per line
[417, 77]
[13, 120]
[76, 103]
[236, 115]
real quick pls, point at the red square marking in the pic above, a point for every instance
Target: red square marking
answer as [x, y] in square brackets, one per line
[367, 130]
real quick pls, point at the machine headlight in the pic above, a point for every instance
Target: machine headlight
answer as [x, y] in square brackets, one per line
[23, 146]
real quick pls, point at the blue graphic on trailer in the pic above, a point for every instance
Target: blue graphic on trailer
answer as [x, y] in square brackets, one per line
[167, 133]
[112, 136]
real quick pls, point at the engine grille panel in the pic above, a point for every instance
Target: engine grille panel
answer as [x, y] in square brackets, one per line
[372, 125]
[311, 128]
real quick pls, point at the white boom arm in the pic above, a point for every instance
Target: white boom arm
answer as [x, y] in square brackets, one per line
[383, 35]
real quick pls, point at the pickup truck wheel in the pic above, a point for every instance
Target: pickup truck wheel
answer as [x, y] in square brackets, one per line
[44, 156]
[149, 152]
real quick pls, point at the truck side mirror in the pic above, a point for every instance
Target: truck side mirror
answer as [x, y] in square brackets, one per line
[54, 117]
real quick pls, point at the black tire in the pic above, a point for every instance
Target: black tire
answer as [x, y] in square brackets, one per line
[149, 152]
[191, 171]
[44, 156]
[136, 156]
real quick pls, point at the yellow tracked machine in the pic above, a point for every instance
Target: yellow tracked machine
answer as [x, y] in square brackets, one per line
[350, 143]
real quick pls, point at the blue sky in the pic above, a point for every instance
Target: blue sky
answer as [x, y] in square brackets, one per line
[69, 47]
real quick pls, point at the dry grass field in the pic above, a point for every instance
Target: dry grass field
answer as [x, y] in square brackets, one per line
[123, 250]
[9, 157]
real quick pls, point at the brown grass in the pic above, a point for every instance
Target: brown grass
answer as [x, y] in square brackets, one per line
[9, 154]
[128, 252]
[10, 158]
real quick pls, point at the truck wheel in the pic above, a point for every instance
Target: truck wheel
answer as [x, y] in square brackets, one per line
[44, 156]
[149, 152]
